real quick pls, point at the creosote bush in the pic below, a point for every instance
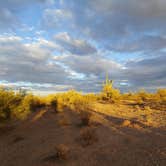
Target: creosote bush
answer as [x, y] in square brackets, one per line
[28, 104]
[15, 105]
[8, 101]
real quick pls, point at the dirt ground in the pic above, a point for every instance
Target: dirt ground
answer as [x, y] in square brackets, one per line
[125, 136]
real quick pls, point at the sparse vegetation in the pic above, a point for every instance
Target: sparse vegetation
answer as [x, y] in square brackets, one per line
[108, 92]
[85, 117]
[122, 118]
[62, 152]
[19, 105]
[88, 136]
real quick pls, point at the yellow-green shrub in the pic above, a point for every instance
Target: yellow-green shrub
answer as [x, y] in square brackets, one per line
[8, 101]
[73, 100]
[28, 104]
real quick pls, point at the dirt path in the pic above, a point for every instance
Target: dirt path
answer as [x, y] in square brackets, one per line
[33, 142]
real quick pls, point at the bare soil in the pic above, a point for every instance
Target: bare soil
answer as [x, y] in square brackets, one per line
[124, 136]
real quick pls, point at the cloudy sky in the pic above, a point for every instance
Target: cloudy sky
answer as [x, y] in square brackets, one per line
[56, 45]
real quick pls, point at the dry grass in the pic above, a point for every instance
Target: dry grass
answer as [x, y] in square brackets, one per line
[88, 136]
[61, 154]
[85, 117]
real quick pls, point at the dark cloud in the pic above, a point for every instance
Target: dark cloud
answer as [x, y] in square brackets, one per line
[117, 21]
[146, 43]
[146, 73]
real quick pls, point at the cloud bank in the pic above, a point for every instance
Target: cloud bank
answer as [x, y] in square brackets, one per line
[58, 45]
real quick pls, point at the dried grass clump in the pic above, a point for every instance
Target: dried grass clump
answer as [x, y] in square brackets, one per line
[85, 117]
[88, 136]
[62, 152]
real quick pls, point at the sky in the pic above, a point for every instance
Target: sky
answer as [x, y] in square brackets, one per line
[51, 46]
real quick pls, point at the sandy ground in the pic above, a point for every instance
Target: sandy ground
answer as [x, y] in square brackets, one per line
[138, 141]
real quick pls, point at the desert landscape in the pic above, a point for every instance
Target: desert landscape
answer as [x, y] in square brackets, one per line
[77, 129]
[82, 82]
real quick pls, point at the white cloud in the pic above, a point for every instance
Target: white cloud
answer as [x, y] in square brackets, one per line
[28, 62]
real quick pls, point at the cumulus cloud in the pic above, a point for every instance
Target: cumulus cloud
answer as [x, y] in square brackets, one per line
[74, 46]
[120, 22]
[93, 70]
[28, 62]
[90, 65]
[79, 42]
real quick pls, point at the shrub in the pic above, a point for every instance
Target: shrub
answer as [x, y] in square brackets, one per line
[28, 104]
[62, 152]
[53, 105]
[88, 136]
[160, 95]
[8, 101]
[85, 118]
[72, 100]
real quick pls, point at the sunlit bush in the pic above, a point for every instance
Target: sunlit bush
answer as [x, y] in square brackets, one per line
[28, 104]
[15, 105]
[160, 95]
[73, 100]
[8, 101]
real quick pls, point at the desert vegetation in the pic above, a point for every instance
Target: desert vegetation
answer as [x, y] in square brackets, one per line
[18, 105]
[70, 128]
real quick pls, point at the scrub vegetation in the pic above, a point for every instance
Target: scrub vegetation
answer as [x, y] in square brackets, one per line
[71, 128]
